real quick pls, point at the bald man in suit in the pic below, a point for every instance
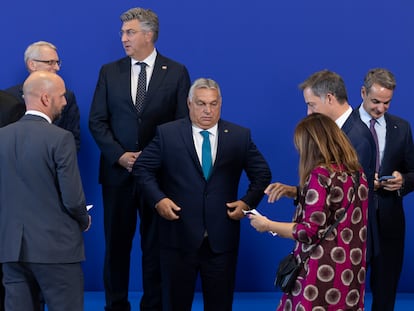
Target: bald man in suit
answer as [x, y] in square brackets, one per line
[43, 211]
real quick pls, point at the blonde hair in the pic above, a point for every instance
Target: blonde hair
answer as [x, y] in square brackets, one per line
[320, 142]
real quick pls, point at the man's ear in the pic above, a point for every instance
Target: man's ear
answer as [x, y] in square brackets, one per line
[45, 99]
[30, 64]
[363, 92]
[330, 97]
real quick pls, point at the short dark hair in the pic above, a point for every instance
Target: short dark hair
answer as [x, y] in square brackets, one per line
[324, 82]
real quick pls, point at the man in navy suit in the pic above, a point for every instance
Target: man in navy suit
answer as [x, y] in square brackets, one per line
[325, 92]
[42, 55]
[121, 131]
[43, 211]
[396, 158]
[199, 227]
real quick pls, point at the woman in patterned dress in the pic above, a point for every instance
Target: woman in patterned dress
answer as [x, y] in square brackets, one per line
[333, 278]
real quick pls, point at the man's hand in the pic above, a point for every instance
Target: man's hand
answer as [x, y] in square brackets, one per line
[235, 209]
[393, 184]
[167, 209]
[89, 224]
[277, 190]
[128, 159]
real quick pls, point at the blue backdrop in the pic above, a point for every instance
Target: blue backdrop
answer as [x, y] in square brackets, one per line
[258, 51]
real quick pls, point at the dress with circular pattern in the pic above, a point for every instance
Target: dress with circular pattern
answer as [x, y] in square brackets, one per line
[333, 278]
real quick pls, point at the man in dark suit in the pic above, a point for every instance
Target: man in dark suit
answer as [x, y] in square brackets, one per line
[199, 208]
[396, 158]
[43, 55]
[122, 125]
[43, 210]
[325, 92]
[10, 111]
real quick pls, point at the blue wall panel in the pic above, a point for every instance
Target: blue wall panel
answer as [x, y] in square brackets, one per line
[258, 51]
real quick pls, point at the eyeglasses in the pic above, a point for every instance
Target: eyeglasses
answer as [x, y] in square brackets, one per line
[51, 62]
[129, 33]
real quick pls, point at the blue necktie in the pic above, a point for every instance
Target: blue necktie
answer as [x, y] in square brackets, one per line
[374, 135]
[206, 160]
[141, 87]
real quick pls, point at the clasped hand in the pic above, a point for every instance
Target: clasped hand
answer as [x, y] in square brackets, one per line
[394, 184]
[128, 159]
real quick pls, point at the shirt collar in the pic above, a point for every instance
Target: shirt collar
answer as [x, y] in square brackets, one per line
[150, 60]
[342, 119]
[211, 130]
[366, 117]
[39, 114]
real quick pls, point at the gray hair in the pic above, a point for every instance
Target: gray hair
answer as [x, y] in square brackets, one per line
[324, 82]
[33, 50]
[203, 83]
[147, 18]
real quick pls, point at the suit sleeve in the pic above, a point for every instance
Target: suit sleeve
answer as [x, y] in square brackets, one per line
[70, 183]
[99, 121]
[258, 173]
[146, 169]
[408, 175]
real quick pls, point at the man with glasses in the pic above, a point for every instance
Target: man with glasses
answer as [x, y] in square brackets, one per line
[133, 96]
[43, 56]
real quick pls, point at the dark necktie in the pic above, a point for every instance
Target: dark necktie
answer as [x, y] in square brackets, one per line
[374, 135]
[141, 87]
[206, 160]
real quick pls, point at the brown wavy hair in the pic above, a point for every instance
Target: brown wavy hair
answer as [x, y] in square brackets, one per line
[320, 142]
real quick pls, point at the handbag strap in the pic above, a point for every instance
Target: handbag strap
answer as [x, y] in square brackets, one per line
[333, 226]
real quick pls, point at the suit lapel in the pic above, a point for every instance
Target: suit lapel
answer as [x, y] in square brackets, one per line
[391, 139]
[187, 137]
[223, 142]
[158, 75]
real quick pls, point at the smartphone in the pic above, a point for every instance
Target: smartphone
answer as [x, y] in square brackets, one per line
[385, 178]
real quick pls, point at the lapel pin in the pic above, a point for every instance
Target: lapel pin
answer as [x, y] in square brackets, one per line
[164, 67]
[226, 131]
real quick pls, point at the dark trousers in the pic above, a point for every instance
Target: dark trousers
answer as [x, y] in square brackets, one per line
[121, 208]
[2, 294]
[61, 286]
[1, 290]
[385, 274]
[180, 269]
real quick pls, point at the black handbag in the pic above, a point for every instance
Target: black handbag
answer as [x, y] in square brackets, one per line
[289, 267]
[287, 273]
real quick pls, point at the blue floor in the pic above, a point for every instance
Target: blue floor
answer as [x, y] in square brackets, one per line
[243, 301]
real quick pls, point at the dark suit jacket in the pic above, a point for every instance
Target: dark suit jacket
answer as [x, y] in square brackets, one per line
[10, 109]
[169, 167]
[43, 213]
[70, 118]
[398, 156]
[114, 121]
[361, 139]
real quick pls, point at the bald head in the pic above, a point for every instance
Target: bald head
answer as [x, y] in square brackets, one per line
[45, 92]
